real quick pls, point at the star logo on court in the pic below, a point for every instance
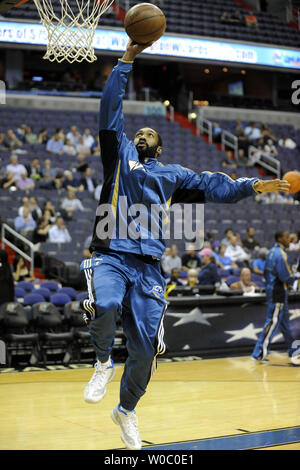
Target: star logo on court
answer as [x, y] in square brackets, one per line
[194, 316]
[249, 332]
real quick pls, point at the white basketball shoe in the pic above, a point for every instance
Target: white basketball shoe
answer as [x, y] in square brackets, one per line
[96, 388]
[127, 420]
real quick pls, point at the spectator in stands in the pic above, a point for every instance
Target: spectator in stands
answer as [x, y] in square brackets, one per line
[3, 142]
[266, 133]
[228, 234]
[270, 148]
[88, 139]
[287, 142]
[61, 134]
[95, 148]
[6, 279]
[192, 279]
[228, 161]
[216, 132]
[68, 148]
[252, 132]
[72, 183]
[80, 164]
[49, 212]
[190, 260]
[172, 260]
[237, 17]
[275, 198]
[55, 145]
[249, 243]
[12, 140]
[48, 176]
[20, 133]
[98, 190]
[245, 283]
[235, 251]
[21, 271]
[35, 210]
[40, 233]
[59, 232]
[175, 278]
[9, 181]
[294, 242]
[25, 183]
[82, 148]
[243, 159]
[86, 246]
[223, 261]
[73, 136]
[15, 167]
[24, 223]
[34, 169]
[88, 181]
[30, 136]
[42, 136]
[208, 275]
[71, 204]
[251, 20]
[258, 264]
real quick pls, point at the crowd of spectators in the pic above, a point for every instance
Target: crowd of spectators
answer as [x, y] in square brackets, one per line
[237, 18]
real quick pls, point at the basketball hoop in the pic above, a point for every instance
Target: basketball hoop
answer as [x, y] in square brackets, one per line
[71, 27]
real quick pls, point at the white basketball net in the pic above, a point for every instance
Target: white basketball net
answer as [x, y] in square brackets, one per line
[71, 27]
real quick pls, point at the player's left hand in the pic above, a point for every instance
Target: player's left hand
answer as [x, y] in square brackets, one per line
[272, 186]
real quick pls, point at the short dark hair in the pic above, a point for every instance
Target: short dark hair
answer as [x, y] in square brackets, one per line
[279, 234]
[160, 142]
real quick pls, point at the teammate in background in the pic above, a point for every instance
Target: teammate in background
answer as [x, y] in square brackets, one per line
[124, 274]
[278, 276]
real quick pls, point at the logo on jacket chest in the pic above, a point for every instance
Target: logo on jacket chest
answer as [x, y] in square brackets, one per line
[135, 165]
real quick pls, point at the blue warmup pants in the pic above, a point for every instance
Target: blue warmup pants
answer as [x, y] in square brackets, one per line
[125, 284]
[277, 317]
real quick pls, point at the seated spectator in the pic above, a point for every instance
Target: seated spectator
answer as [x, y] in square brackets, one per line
[192, 279]
[237, 17]
[73, 136]
[267, 134]
[49, 212]
[87, 139]
[95, 148]
[97, 192]
[208, 275]
[190, 260]
[244, 284]
[72, 183]
[294, 242]
[9, 181]
[243, 159]
[258, 264]
[88, 181]
[80, 165]
[216, 132]
[249, 243]
[34, 169]
[222, 261]
[274, 198]
[71, 204]
[20, 133]
[270, 148]
[82, 148]
[228, 234]
[59, 233]
[12, 140]
[251, 20]
[30, 136]
[172, 260]
[35, 210]
[48, 176]
[15, 167]
[40, 233]
[175, 278]
[24, 223]
[225, 17]
[25, 183]
[61, 134]
[228, 161]
[68, 148]
[4, 145]
[21, 271]
[55, 145]
[235, 251]
[42, 136]
[252, 131]
[287, 142]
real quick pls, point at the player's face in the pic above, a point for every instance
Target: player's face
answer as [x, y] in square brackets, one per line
[146, 143]
[285, 239]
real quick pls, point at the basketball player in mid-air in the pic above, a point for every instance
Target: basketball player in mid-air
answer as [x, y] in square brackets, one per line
[123, 275]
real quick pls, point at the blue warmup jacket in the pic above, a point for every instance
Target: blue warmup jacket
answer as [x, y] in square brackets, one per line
[278, 274]
[148, 182]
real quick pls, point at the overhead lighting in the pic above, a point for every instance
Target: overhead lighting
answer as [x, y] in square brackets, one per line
[206, 71]
[166, 103]
[225, 69]
[192, 115]
[243, 72]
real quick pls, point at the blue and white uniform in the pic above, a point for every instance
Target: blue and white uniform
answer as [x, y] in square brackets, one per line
[278, 276]
[124, 274]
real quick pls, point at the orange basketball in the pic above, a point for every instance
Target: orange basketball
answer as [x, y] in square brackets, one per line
[293, 177]
[145, 23]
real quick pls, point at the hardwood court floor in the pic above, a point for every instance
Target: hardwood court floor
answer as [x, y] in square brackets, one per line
[185, 401]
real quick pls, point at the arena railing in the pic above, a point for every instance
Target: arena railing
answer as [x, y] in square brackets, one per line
[30, 258]
[229, 140]
[265, 160]
[204, 126]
